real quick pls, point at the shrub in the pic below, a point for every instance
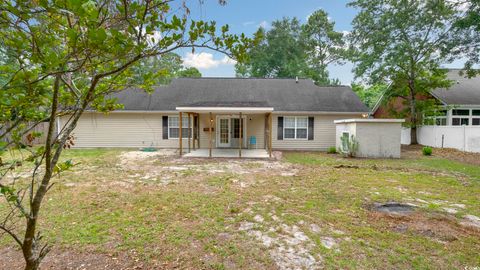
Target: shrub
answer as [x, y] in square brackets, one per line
[332, 150]
[349, 145]
[427, 151]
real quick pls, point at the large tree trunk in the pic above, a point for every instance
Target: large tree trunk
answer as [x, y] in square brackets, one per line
[413, 135]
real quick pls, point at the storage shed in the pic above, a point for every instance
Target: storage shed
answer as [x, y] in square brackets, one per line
[376, 138]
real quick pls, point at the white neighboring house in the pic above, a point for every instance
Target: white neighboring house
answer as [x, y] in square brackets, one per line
[458, 125]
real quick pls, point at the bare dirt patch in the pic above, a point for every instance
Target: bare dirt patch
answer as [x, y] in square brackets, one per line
[288, 246]
[442, 228]
[415, 151]
[69, 259]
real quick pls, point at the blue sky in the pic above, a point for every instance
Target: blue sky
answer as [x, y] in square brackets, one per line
[245, 16]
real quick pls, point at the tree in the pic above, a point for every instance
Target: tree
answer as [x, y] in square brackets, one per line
[469, 32]
[290, 50]
[190, 72]
[398, 42]
[68, 56]
[162, 69]
[278, 54]
[369, 94]
[322, 46]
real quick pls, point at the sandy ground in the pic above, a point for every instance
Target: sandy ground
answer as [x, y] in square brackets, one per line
[415, 151]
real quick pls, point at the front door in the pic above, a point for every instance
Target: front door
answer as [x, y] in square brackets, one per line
[235, 138]
[224, 132]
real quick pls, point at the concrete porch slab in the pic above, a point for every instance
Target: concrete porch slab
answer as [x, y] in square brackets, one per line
[228, 153]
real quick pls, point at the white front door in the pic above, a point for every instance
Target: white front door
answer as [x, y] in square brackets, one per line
[223, 133]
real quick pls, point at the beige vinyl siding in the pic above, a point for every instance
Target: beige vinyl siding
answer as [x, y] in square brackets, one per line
[121, 129]
[324, 133]
[255, 127]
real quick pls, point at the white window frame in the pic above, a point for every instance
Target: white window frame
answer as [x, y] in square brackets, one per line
[184, 122]
[469, 117]
[295, 128]
[474, 117]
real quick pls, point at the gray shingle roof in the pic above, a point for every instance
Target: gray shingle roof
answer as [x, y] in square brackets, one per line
[281, 94]
[464, 91]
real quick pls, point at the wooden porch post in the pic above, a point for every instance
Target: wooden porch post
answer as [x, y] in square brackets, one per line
[270, 135]
[189, 133]
[198, 131]
[210, 135]
[180, 133]
[194, 131]
[240, 131]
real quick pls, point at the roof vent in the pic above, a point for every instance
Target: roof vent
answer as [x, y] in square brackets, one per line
[296, 79]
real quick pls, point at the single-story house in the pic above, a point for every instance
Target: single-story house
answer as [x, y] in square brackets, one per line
[223, 113]
[461, 102]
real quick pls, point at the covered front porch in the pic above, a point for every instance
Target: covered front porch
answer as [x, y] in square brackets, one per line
[226, 130]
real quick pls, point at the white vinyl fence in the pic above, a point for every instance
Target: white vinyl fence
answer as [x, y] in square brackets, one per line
[405, 137]
[464, 138]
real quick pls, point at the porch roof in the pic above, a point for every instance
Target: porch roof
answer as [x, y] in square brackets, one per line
[247, 107]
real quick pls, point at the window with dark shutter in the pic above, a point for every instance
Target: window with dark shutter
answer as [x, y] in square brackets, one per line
[165, 127]
[280, 128]
[310, 128]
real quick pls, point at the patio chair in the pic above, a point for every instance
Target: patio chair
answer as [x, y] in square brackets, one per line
[252, 142]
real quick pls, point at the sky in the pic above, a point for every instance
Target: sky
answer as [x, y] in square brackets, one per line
[245, 16]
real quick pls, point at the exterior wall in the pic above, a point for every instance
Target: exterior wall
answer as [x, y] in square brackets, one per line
[394, 106]
[121, 130]
[375, 140]
[143, 129]
[324, 133]
[464, 138]
[255, 126]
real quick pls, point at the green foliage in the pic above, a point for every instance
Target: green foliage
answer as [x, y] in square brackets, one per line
[427, 151]
[190, 72]
[349, 145]
[369, 95]
[64, 57]
[468, 35]
[161, 69]
[398, 42]
[290, 49]
[332, 150]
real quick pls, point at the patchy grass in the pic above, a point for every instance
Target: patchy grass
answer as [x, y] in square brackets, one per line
[219, 214]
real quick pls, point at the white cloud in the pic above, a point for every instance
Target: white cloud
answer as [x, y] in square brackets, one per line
[264, 24]
[460, 5]
[248, 23]
[205, 60]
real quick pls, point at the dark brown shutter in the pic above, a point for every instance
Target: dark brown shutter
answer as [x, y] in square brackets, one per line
[310, 128]
[280, 128]
[165, 127]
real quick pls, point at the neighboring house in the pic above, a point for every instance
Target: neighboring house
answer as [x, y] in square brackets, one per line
[273, 113]
[461, 102]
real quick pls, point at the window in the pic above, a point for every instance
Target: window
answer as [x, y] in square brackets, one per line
[173, 127]
[295, 127]
[475, 117]
[460, 121]
[437, 118]
[461, 112]
[460, 117]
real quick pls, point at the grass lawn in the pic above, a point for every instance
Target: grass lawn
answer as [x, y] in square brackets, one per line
[308, 211]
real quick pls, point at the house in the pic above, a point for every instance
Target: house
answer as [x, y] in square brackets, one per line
[461, 103]
[223, 113]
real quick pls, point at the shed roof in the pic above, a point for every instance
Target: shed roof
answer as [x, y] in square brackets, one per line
[281, 94]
